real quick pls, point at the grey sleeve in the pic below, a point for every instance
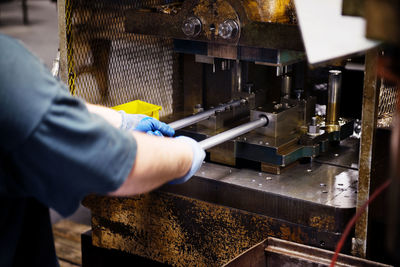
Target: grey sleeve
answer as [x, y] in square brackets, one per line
[72, 153]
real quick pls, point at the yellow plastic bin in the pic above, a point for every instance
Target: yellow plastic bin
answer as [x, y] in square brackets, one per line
[140, 107]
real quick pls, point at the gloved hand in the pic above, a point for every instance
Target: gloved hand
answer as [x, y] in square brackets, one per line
[143, 123]
[198, 156]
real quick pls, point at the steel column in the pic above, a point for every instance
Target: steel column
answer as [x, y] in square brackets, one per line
[368, 126]
[63, 73]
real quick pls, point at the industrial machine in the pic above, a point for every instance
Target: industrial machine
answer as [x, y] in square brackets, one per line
[284, 158]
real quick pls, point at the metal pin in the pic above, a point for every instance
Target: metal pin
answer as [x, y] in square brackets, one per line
[334, 88]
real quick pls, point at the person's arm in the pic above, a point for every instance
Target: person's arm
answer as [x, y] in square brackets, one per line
[158, 160]
[58, 152]
[110, 115]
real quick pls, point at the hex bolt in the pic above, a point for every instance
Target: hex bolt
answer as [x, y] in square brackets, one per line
[228, 29]
[313, 121]
[191, 27]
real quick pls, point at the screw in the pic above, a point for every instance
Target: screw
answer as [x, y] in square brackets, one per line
[268, 178]
[322, 185]
[313, 121]
[324, 192]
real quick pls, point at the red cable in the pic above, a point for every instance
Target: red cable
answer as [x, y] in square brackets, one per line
[353, 220]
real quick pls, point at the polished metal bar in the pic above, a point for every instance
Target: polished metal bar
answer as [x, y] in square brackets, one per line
[179, 124]
[286, 86]
[233, 133]
[334, 88]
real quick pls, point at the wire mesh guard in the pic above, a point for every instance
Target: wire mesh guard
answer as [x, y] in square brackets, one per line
[110, 67]
[388, 96]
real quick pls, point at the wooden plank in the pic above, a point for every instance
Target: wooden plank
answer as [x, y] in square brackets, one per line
[67, 240]
[70, 230]
[68, 250]
[66, 264]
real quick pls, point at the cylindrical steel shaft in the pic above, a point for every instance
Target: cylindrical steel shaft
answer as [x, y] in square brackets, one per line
[233, 133]
[179, 124]
[334, 88]
[286, 86]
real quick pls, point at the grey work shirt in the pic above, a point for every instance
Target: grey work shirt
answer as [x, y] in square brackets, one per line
[53, 152]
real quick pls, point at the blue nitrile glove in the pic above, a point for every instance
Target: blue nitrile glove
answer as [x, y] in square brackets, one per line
[146, 124]
[198, 156]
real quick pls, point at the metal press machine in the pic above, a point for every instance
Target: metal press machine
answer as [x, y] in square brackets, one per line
[283, 151]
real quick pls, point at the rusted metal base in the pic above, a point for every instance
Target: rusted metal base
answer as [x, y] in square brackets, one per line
[93, 256]
[181, 231]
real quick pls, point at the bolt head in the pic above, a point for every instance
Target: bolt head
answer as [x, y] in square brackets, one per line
[228, 29]
[191, 27]
[313, 129]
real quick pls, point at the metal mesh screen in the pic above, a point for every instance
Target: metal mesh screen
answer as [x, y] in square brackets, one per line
[108, 66]
[387, 104]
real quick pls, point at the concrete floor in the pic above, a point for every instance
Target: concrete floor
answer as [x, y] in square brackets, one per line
[41, 37]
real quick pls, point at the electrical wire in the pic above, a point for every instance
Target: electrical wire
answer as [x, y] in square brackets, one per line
[353, 220]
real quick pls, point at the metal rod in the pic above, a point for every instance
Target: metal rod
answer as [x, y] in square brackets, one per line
[334, 86]
[233, 133]
[179, 124]
[286, 86]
